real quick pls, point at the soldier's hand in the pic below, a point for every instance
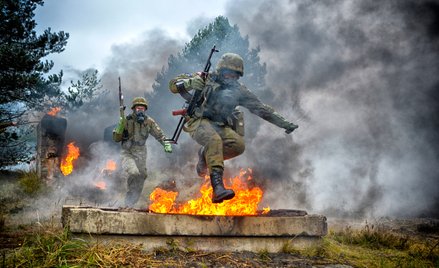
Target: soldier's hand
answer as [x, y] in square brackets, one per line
[122, 120]
[121, 125]
[196, 83]
[290, 128]
[167, 146]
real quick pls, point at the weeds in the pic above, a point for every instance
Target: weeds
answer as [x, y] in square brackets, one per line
[371, 237]
[49, 246]
[29, 182]
[373, 247]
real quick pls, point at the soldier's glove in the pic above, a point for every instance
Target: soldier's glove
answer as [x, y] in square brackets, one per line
[120, 126]
[290, 128]
[167, 146]
[196, 83]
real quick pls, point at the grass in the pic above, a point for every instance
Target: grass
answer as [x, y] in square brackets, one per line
[374, 247]
[49, 246]
[29, 182]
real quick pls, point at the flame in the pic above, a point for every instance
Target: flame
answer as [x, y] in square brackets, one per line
[166, 200]
[245, 202]
[101, 185]
[110, 166]
[54, 111]
[67, 163]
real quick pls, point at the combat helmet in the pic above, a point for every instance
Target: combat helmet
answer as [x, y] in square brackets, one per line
[231, 61]
[140, 101]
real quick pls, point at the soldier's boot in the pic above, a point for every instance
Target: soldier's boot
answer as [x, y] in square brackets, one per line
[219, 192]
[201, 165]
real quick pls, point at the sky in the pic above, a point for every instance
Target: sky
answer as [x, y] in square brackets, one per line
[97, 25]
[358, 77]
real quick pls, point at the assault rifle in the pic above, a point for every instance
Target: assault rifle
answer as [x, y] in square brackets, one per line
[192, 101]
[121, 106]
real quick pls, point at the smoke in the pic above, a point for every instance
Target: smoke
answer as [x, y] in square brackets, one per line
[360, 79]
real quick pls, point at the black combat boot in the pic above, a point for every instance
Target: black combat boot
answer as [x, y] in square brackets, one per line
[219, 192]
[201, 165]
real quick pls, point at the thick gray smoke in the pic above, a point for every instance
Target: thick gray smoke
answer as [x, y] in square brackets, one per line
[361, 79]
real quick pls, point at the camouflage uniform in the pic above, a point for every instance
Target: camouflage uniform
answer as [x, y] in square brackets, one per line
[134, 153]
[217, 124]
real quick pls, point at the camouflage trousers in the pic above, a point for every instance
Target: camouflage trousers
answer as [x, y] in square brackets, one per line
[134, 170]
[220, 142]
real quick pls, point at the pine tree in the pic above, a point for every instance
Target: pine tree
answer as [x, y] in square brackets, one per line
[25, 81]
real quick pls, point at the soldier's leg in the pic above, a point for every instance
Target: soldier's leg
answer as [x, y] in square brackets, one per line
[132, 174]
[136, 186]
[233, 143]
[208, 137]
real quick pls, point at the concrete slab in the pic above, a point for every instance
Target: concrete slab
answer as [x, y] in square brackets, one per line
[270, 232]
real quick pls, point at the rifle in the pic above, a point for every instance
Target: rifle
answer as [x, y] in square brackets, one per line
[193, 103]
[121, 106]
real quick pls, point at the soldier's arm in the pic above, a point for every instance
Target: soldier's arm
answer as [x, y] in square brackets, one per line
[186, 82]
[156, 131]
[250, 101]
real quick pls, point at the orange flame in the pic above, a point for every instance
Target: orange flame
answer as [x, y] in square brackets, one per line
[245, 202]
[67, 163]
[166, 200]
[54, 111]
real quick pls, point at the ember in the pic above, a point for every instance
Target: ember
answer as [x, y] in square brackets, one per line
[54, 111]
[101, 185]
[110, 166]
[67, 163]
[245, 202]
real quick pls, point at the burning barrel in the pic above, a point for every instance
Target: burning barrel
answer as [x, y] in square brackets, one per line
[50, 141]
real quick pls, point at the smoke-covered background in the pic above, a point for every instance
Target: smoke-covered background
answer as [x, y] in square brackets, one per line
[365, 75]
[359, 78]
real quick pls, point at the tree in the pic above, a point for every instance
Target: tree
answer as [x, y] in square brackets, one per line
[82, 91]
[25, 81]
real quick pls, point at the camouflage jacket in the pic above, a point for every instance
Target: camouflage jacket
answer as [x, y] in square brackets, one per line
[135, 134]
[222, 100]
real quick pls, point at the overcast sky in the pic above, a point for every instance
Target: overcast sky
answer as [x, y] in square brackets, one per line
[96, 25]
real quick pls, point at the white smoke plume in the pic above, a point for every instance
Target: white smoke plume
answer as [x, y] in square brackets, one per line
[361, 80]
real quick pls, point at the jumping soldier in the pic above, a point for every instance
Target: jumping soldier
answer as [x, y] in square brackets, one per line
[132, 131]
[216, 124]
